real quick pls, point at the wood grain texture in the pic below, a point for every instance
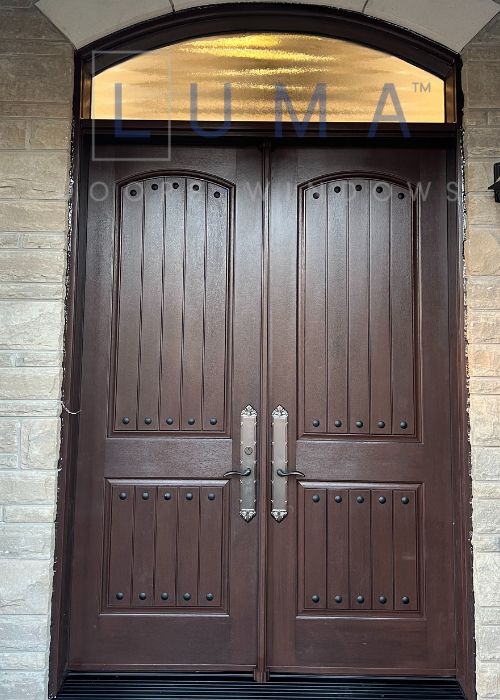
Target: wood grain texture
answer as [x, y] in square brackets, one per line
[167, 546]
[172, 315]
[357, 311]
[354, 548]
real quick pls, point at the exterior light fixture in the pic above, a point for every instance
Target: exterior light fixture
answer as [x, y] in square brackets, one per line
[496, 184]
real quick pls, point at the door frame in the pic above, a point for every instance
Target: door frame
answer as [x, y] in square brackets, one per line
[265, 17]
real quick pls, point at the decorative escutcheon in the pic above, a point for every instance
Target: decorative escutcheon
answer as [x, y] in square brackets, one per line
[279, 484]
[248, 461]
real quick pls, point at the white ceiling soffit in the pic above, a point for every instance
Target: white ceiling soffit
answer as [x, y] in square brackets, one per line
[452, 23]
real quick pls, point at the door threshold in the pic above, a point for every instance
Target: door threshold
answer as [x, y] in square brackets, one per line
[151, 686]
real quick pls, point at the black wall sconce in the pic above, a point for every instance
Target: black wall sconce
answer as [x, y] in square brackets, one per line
[496, 184]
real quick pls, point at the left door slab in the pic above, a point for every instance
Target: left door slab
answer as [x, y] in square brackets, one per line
[165, 570]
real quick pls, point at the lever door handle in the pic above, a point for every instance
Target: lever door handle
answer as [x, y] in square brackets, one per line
[245, 472]
[282, 472]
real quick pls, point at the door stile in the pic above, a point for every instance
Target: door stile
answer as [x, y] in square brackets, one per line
[261, 673]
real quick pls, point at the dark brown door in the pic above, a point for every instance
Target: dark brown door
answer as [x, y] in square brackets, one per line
[165, 569]
[361, 568]
[191, 314]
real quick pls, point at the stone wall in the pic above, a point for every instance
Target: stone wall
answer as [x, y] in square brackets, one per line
[36, 86]
[481, 79]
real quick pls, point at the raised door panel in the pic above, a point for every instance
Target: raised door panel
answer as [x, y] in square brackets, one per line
[359, 548]
[172, 319]
[166, 546]
[358, 304]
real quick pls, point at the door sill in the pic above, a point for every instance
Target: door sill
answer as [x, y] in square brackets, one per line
[149, 686]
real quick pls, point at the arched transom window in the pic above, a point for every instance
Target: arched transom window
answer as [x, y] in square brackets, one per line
[258, 76]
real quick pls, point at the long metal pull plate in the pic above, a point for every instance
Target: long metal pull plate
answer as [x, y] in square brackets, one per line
[248, 460]
[279, 484]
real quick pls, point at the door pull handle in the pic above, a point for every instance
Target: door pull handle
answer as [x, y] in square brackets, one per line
[245, 472]
[282, 472]
[279, 473]
[248, 464]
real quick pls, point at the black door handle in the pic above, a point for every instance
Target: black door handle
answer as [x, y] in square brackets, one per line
[245, 472]
[281, 472]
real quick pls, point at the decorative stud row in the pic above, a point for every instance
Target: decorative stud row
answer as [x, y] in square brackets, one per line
[175, 186]
[360, 424]
[358, 188]
[361, 599]
[165, 596]
[167, 496]
[361, 499]
[168, 421]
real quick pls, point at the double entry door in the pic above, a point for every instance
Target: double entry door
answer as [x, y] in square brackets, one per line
[264, 475]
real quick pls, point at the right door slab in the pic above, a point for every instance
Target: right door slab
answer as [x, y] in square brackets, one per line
[361, 564]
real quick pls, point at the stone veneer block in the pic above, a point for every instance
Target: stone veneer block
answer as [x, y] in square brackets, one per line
[23, 633]
[50, 134]
[40, 443]
[13, 133]
[29, 514]
[484, 360]
[9, 436]
[31, 325]
[38, 359]
[484, 327]
[486, 518]
[483, 293]
[489, 642]
[482, 210]
[28, 407]
[24, 587]
[22, 685]
[20, 215]
[487, 579]
[25, 541]
[30, 383]
[32, 266]
[482, 81]
[20, 26]
[54, 241]
[488, 680]
[30, 488]
[485, 425]
[45, 78]
[34, 175]
[19, 290]
[478, 175]
[23, 661]
[484, 385]
[482, 251]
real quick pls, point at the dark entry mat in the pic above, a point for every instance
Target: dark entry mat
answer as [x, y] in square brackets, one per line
[199, 687]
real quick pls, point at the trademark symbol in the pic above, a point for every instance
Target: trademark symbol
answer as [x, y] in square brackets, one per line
[421, 87]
